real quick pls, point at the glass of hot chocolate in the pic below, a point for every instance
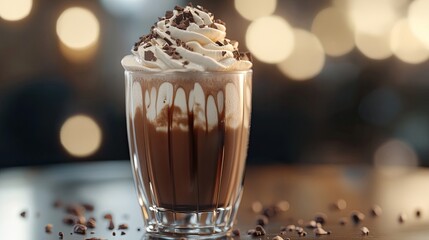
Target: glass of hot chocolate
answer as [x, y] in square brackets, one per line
[188, 101]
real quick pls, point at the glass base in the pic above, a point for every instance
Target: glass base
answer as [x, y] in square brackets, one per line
[198, 225]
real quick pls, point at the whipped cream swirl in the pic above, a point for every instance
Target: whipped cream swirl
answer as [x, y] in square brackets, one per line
[187, 39]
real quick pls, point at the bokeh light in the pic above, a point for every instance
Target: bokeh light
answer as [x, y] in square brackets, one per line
[372, 17]
[270, 39]
[307, 58]
[405, 45]
[395, 153]
[78, 28]
[374, 46]
[419, 20]
[253, 9]
[14, 10]
[80, 135]
[330, 26]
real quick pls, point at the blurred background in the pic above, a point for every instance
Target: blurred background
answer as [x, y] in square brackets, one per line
[338, 82]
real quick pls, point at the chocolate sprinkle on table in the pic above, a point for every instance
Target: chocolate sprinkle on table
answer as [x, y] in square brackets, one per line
[108, 216]
[61, 235]
[48, 228]
[111, 225]
[79, 229]
[23, 214]
[123, 233]
[122, 226]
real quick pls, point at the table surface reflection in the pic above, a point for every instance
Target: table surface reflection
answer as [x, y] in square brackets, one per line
[308, 189]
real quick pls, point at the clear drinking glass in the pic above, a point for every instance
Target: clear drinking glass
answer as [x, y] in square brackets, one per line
[188, 134]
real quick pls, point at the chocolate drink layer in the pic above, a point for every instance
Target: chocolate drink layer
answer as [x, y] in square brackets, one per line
[191, 135]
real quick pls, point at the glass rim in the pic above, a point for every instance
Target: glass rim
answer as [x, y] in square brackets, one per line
[189, 72]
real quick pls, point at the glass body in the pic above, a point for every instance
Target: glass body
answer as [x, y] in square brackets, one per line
[188, 134]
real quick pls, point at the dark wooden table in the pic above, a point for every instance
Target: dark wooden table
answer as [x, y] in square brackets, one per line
[308, 189]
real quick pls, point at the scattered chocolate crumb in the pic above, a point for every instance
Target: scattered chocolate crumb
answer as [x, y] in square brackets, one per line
[48, 228]
[91, 223]
[88, 207]
[111, 225]
[61, 235]
[223, 53]
[138, 229]
[108, 216]
[357, 217]
[236, 232]
[169, 14]
[178, 8]
[23, 214]
[212, 25]
[277, 238]
[320, 218]
[376, 211]
[320, 231]
[114, 233]
[343, 221]
[257, 207]
[123, 226]
[402, 218]
[364, 230]
[168, 32]
[123, 233]
[79, 229]
[340, 204]
[69, 220]
[262, 220]
[185, 63]
[261, 229]
[92, 232]
[75, 209]
[418, 213]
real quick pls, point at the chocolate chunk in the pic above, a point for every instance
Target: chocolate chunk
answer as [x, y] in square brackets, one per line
[113, 233]
[343, 221]
[220, 22]
[223, 53]
[185, 63]
[202, 26]
[169, 14]
[357, 217]
[61, 235]
[138, 229]
[75, 209]
[168, 41]
[364, 231]
[69, 220]
[79, 229]
[236, 55]
[91, 223]
[123, 233]
[418, 213]
[92, 232]
[212, 25]
[149, 56]
[190, 4]
[257, 207]
[219, 43]
[48, 228]
[111, 225]
[108, 216]
[178, 8]
[236, 233]
[122, 226]
[260, 229]
[376, 211]
[176, 56]
[88, 207]
[402, 218]
[320, 218]
[23, 214]
[246, 56]
[262, 220]
[168, 32]
[225, 42]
